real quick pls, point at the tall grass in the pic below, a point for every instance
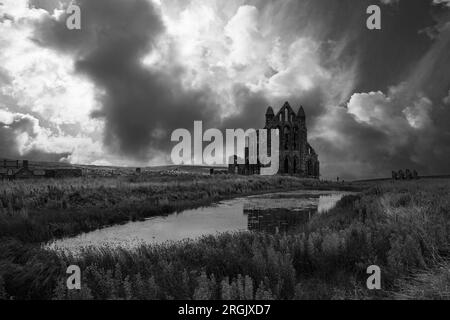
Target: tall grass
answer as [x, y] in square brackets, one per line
[430, 284]
[402, 227]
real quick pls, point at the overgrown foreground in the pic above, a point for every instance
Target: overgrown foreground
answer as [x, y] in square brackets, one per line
[401, 227]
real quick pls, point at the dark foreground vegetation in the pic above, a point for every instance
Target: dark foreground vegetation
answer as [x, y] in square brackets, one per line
[402, 227]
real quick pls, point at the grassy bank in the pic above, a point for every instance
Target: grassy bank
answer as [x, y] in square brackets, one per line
[402, 227]
[41, 210]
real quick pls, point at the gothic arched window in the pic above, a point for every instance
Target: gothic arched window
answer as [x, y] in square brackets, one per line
[286, 165]
[295, 138]
[287, 139]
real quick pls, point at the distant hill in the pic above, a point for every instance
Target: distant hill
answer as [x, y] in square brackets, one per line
[442, 176]
[39, 165]
[36, 165]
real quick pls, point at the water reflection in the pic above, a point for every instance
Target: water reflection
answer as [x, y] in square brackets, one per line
[276, 221]
[281, 212]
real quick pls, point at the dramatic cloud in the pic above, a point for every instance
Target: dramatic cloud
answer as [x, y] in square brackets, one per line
[114, 91]
[141, 106]
[20, 134]
[446, 2]
[383, 128]
[38, 86]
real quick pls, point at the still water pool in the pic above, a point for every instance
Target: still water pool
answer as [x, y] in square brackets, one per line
[274, 212]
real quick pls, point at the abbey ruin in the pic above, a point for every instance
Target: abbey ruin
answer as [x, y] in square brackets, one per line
[296, 156]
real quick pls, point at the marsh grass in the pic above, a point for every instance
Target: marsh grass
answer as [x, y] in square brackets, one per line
[401, 227]
[430, 284]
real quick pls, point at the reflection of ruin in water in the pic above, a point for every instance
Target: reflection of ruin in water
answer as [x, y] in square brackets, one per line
[277, 220]
[281, 220]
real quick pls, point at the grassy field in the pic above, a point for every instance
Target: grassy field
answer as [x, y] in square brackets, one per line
[41, 210]
[402, 227]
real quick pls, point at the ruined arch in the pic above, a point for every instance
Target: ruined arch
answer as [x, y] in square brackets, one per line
[286, 165]
[280, 136]
[295, 138]
[309, 167]
[316, 169]
[296, 165]
[286, 137]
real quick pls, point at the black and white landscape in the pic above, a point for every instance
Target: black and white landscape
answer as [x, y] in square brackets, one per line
[93, 205]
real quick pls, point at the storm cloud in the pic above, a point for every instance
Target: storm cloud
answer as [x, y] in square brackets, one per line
[375, 101]
[141, 107]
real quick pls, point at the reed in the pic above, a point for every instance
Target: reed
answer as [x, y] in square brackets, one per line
[402, 227]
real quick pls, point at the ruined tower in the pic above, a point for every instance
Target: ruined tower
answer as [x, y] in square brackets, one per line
[297, 157]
